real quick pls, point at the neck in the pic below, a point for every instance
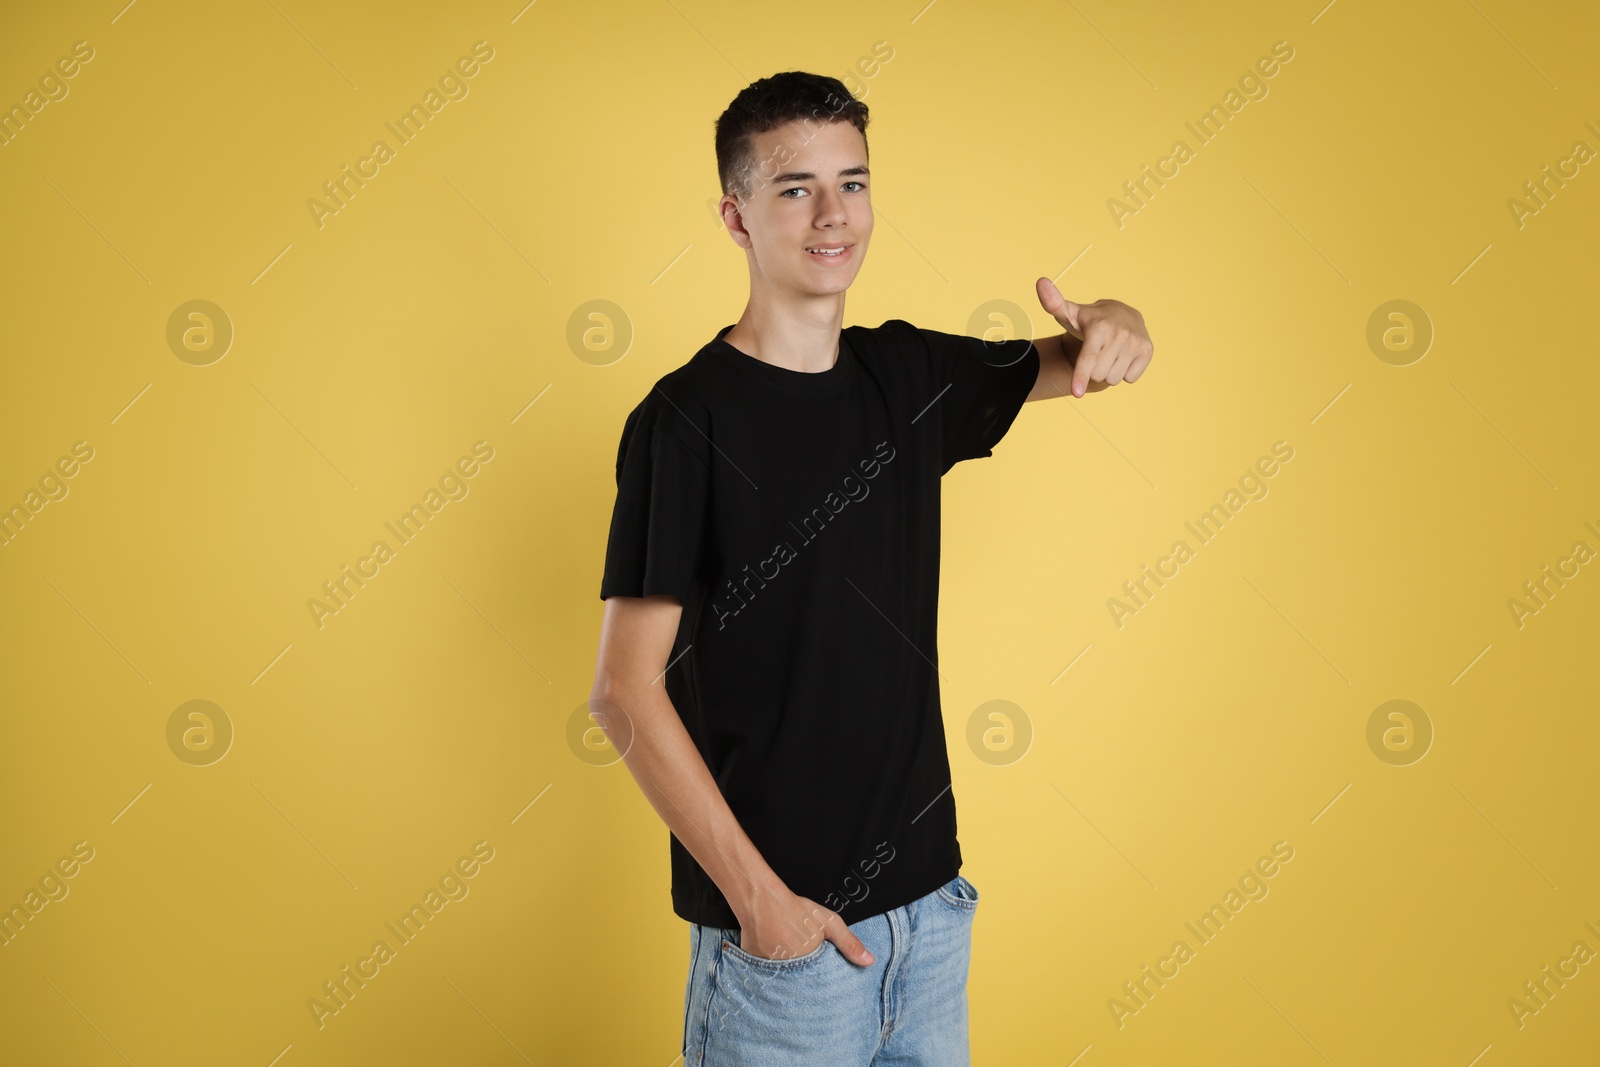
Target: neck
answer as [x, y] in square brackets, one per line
[797, 336]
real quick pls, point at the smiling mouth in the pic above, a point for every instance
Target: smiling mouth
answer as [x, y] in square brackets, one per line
[829, 253]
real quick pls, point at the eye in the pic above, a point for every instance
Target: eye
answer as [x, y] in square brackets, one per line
[800, 189]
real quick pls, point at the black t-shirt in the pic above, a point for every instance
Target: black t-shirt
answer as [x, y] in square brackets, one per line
[796, 516]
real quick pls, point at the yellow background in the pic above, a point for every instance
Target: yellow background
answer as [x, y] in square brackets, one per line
[433, 311]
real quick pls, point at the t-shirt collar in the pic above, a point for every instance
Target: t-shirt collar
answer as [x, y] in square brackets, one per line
[831, 380]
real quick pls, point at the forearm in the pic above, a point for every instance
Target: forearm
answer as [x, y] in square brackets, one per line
[670, 772]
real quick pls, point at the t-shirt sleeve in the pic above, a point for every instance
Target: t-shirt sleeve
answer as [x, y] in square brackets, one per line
[988, 382]
[659, 520]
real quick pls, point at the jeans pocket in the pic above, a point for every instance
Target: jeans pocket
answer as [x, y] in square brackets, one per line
[731, 948]
[959, 894]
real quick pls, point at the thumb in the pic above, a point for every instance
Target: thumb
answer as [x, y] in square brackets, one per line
[849, 944]
[1060, 308]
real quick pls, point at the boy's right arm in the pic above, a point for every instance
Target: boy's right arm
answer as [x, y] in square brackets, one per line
[630, 703]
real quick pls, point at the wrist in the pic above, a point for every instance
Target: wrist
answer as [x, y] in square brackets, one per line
[756, 892]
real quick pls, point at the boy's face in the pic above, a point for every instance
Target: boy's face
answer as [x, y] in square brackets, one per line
[809, 187]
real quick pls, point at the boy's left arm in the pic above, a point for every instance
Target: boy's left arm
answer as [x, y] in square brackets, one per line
[1106, 344]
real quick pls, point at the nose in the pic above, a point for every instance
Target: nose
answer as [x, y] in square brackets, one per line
[830, 208]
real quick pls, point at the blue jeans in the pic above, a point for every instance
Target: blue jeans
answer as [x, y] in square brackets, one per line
[908, 1008]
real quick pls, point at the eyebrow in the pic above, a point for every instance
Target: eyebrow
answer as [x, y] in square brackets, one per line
[807, 176]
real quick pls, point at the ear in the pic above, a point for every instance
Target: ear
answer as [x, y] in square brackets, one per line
[733, 221]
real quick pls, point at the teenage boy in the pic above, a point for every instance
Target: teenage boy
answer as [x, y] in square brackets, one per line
[768, 653]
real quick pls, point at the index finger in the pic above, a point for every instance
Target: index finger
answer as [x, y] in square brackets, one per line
[1088, 353]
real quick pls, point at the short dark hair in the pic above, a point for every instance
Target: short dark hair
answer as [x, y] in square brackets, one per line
[769, 103]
